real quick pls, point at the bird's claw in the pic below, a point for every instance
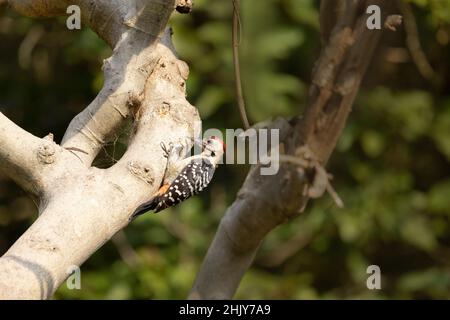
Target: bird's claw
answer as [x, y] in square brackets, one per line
[166, 150]
[179, 149]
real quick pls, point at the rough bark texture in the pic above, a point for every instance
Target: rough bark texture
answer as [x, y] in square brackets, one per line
[348, 47]
[82, 207]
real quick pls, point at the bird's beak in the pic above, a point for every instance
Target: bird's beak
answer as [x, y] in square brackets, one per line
[199, 143]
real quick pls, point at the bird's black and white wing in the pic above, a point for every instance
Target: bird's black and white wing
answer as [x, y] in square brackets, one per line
[193, 179]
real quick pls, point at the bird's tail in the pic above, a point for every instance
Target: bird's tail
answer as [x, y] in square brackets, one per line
[143, 208]
[152, 204]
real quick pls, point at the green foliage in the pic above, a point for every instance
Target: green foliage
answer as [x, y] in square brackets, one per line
[438, 10]
[265, 47]
[391, 166]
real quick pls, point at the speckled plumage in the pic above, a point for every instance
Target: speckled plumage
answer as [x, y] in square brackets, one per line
[184, 177]
[193, 179]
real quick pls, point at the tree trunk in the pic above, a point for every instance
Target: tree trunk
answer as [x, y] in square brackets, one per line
[82, 207]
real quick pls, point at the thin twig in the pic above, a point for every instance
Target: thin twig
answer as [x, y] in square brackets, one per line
[126, 251]
[413, 42]
[322, 182]
[237, 68]
[335, 196]
[294, 160]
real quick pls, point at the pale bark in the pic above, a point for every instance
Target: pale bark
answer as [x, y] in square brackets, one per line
[82, 207]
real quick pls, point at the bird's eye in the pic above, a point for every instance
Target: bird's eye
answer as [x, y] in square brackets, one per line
[209, 141]
[213, 154]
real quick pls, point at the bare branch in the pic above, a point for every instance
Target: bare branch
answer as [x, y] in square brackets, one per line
[19, 155]
[126, 74]
[237, 67]
[126, 251]
[39, 8]
[413, 42]
[336, 81]
[27, 159]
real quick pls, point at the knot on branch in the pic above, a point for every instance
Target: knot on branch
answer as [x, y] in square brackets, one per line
[393, 21]
[134, 102]
[175, 72]
[347, 82]
[42, 243]
[318, 179]
[46, 152]
[49, 137]
[183, 69]
[142, 171]
[164, 108]
[184, 6]
[107, 65]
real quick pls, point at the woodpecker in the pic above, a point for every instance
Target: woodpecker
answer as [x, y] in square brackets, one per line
[185, 177]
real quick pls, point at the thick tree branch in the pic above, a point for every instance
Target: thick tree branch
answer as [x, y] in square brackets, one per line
[105, 17]
[39, 8]
[126, 72]
[24, 156]
[84, 206]
[132, 28]
[335, 82]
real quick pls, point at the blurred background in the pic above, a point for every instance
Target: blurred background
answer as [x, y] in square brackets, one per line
[391, 166]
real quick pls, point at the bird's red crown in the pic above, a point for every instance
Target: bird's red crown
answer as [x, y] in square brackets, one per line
[223, 143]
